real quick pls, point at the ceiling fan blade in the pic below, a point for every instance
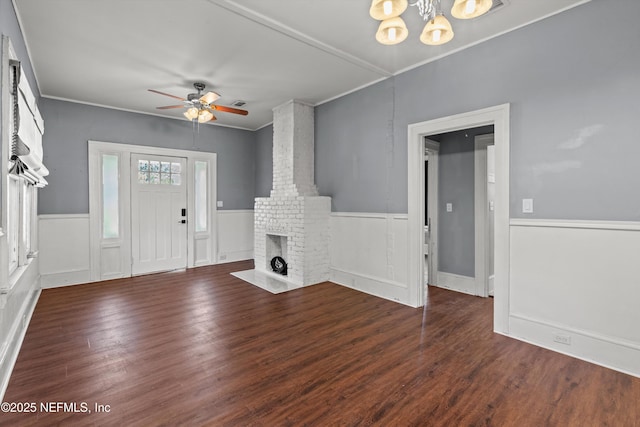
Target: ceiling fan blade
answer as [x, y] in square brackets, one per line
[166, 94]
[209, 97]
[167, 107]
[229, 109]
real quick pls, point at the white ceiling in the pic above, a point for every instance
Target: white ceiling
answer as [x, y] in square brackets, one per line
[264, 52]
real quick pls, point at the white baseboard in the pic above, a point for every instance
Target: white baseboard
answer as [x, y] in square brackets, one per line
[609, 352]
[226, 257]
[393, 291]
[579, 279]
[11, 347]
[456, 282]
[66, 278]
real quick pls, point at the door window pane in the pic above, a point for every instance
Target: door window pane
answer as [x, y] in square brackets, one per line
[201, 196]
[110, 220]
[155, 172]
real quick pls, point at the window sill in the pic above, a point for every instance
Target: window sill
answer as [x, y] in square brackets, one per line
[14, 279]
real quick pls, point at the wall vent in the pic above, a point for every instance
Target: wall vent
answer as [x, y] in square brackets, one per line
[238, 103]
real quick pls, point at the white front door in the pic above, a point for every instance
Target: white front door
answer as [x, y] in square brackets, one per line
[158, 213]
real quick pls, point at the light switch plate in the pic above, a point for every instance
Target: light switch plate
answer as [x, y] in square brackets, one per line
[219, 204]
[527, 205]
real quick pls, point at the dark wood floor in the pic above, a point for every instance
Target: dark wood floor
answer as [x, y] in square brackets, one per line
[204, 348]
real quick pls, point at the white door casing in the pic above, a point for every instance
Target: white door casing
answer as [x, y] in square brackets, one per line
[158, 201]
[499, 117]
[482, 209]
[111, 258]
[432, 149]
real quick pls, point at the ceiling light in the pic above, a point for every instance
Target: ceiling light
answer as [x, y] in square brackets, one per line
[205, 116]
[467, 9]
[437, 31]
[191, 113]
[385, 9]
[392, 31]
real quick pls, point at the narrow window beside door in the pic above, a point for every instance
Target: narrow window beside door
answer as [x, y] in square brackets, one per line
[201, 196]
[110, 217]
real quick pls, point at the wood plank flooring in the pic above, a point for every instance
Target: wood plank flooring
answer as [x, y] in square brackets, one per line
[201, 347]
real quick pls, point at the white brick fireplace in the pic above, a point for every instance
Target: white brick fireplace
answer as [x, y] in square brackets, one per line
[294, 221]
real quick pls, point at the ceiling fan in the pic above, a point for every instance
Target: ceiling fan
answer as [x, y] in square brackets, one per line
[200, 107]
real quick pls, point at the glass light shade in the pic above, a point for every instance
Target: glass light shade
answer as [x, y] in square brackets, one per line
[205, 116]
[437, 31]
[209, 97]
[461, 8]
[392, 31]
[378, 7]
[191, 113]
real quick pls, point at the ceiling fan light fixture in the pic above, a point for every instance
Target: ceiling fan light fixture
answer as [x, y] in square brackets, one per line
[392, 31]
[204, 116]
[191, 113]
[385, 9]
[468, 9]
[437, 31]
[209, 98]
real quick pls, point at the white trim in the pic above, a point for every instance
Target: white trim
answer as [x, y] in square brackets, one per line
[233, 256]
[9, 353]
[360, 215]
[63, 216]
[432, 150]
[457, 282]
[65, 278]
[381, 288]
[234, 211]
[566, 223]
[610, 352]
[499, 117]
[481, 213]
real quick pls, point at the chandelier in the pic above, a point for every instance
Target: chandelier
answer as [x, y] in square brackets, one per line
[437, 31]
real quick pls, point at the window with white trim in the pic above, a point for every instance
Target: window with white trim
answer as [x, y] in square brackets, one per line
[201, 208]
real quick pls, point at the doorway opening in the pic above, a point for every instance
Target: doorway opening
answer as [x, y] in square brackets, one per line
[497, 116]
[456, 204]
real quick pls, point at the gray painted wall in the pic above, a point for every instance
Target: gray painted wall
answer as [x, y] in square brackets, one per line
[574, 101]
[9, 26]
[264, 161]
[456, 174]
[68, 127]
[356, 155]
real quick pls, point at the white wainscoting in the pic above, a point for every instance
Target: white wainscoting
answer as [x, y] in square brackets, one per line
[457, 282]
[369, 253]
[578, 281]
[64, 249]
[235, 235]
[64, 245]
[15, 315]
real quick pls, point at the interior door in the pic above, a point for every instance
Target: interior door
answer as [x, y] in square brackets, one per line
[158, 213]
[431, 151]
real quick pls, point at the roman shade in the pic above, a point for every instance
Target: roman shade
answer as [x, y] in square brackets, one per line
[26, 144]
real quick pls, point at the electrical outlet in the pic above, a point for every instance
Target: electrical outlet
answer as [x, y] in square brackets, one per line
[223, 257]
[562, 339]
